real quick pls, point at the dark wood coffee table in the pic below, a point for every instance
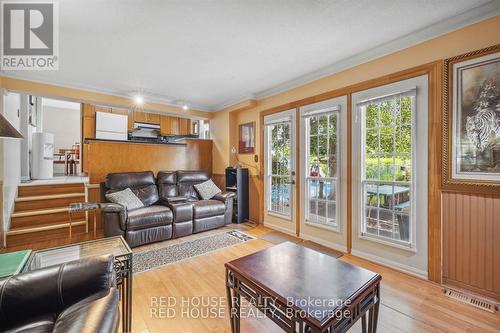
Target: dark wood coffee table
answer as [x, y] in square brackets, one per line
[303, 290]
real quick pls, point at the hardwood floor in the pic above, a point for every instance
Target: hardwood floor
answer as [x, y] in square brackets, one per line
[408, 304]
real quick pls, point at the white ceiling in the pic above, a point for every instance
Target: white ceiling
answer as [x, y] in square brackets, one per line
[211, 53]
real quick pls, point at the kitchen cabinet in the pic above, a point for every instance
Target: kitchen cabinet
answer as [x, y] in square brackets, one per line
[174, 126]
[153, 118]
[165, 125]
[146, 117]
[184, 126]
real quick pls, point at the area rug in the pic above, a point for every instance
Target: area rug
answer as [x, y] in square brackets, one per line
[169, 254]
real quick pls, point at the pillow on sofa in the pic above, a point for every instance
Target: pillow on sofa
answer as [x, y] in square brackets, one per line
[125, 198]
[207, 190]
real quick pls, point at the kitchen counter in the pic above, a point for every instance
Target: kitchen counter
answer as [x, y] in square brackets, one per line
[88, 140]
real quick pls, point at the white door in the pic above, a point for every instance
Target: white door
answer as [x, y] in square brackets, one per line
[279, 171]
[389, 170]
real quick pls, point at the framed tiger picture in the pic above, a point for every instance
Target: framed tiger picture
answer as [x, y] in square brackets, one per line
[471, 119]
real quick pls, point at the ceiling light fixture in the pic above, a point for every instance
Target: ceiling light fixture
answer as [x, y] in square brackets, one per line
[138, 99]
[185, 107]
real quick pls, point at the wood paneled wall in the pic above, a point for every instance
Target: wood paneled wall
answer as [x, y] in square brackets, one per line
[106, 157]
[471, 246]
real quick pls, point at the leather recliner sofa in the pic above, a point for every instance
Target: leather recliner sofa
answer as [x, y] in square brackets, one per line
[172, 207]
[79, 296]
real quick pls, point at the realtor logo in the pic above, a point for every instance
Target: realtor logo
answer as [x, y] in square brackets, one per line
[30, 34]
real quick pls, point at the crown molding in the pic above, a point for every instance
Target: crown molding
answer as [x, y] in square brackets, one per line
[149, 97]
[459, 21]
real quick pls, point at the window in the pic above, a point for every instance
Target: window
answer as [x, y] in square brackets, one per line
[279, 168]
[322, 167]
[387, 170]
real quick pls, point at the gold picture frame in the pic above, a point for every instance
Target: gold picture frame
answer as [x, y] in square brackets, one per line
[471, 145]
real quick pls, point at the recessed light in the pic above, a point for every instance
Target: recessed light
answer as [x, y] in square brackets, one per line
[138, 99]
[185, 107]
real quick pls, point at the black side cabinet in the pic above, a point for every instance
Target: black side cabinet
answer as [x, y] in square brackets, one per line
[237, 181]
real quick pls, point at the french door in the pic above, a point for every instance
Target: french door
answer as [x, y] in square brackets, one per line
[279, 171]
[323, 172]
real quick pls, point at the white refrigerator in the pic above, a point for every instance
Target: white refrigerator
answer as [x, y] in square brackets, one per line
[111, 126]
[42, 151]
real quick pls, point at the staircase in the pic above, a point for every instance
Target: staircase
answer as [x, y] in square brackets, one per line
[41, 213]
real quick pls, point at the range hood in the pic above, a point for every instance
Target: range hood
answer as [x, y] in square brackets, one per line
[145, 130]
[140, 126]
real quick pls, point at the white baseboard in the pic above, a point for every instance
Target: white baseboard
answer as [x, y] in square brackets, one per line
[279, 228]
[335, 246]
[391, 264]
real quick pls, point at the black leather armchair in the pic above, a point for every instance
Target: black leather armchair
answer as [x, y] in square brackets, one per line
[79, 296]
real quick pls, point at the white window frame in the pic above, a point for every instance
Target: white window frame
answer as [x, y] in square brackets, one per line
[306, 114]
[274, 119]
[361, 109]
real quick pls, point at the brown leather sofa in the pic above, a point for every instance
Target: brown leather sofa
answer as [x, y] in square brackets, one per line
[79, 296]
[172, 207]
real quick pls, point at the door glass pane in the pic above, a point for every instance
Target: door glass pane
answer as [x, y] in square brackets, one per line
[322, 169]
[280, 169]
[387, 178]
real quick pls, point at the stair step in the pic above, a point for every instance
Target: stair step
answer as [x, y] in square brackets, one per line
[28, 220]
[50, 196]
[49, 189]
[46, 202]
[26, 230]
[40, 212]
[22, 236]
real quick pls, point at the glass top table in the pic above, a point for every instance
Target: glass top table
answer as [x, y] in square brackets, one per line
[59, 255]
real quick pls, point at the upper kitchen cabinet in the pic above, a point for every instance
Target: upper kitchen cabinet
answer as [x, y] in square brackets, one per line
[145, 117]
[170, 125]
[184, 126]
[165, 125]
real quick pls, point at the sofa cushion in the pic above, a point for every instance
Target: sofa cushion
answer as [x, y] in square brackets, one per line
[148, 217]
[126, 198]
[143, 184]
[120, 181]
[147, 194]
[186, 180]
[167, 184]
[208, 208]
[207, 190]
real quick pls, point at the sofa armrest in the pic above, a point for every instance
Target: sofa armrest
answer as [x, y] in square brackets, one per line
[223, 196]
[114, 218]
[98, 313]
[50, 290]
[227, 198]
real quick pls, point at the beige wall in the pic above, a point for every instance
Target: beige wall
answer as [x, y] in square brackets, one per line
[473, 37]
